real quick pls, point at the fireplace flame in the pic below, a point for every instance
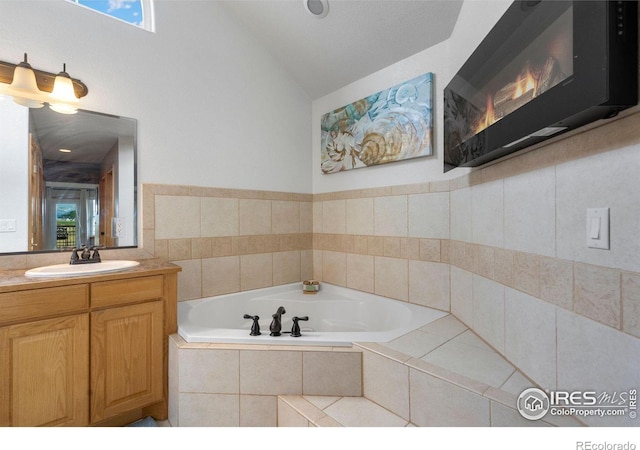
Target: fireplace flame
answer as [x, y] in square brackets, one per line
[510, 97]
[526, 82]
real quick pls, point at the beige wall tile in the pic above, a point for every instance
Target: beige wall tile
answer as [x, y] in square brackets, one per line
[631, 303]
[189, 279]
[332, 373]
[258, 411]
[390, 216]
[462, 295]
[526, 273]
[597, 294]
[593, 354]
[201, 248]
[317, 264]
[487, 213]
[530, 212]
[436, 403]
[461, 213]
[270, 373]
[334, 268]
[429, 284]
[290, 417]
[530, 336]
[488, 311]
[286, 267]
[208, 410]
[486, 262]
[386, 382]
[220, 275]
[334, 217]
[306, 265]
[179, 249]
[256, 271]
[359, 213]
[360, 270]
[255, 217]
[556, 282]
[503, 269]
[429, 215]
[219, 217]
[177, 217]
[285, 217]
[410, 248]
[306, 217]
[392, 278]
[210, 371]
[595, 182]
[502, 416]
[317, 216]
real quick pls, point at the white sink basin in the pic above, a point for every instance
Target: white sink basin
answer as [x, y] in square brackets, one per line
[77, 270]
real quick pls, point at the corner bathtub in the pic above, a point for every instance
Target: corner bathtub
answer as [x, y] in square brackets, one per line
[337, 317]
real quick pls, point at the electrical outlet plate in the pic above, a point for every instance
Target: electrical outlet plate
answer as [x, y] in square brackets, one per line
[598, 228]
[117, 227]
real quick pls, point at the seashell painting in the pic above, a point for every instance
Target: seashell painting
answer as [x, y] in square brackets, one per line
[392, 125]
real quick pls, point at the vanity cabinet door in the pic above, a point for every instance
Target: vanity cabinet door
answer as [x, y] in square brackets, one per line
[44, 372]
[126, 358]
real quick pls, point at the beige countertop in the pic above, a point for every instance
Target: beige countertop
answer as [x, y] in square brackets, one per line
[15, 280]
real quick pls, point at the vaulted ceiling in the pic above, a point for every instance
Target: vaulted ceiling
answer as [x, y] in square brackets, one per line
[355, 39]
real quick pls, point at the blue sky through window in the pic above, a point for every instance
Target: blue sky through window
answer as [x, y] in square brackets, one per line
[127, 10]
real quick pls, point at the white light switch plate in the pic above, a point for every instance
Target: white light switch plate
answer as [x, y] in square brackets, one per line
[598, 228]
[7, 225]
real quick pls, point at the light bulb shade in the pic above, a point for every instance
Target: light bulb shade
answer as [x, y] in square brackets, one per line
[29, 103]
[63, 108]
[24, 80]
[63, 89]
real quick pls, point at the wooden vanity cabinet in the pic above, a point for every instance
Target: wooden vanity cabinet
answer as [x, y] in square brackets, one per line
[126, 346]
[89, 353]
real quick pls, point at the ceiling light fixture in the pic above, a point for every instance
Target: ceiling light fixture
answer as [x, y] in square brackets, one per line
[318, 8]
[33, 88]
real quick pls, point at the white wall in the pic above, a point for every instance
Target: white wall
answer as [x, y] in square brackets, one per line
[213, 108]
[14, 174]
[475, 20]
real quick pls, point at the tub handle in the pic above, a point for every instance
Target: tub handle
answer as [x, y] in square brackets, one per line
[255, 328]
[295, 330]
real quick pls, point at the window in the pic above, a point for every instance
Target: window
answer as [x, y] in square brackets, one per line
[135, 12]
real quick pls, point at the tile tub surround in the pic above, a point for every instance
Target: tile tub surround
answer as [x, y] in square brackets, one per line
[237, 385]
[439, 375]
[526, 257]
[514, 266]
[228, 240]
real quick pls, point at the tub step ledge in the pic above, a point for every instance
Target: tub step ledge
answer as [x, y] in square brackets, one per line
[325, 411]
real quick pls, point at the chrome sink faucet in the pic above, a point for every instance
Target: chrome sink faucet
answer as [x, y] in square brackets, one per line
[276, 323]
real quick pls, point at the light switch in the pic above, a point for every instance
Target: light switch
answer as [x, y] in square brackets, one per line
[598, 228]
[595, 228]
[7, 225]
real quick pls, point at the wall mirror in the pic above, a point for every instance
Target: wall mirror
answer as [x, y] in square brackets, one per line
[66, 180]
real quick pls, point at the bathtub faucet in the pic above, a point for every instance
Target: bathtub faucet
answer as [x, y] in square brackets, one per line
[276, 323]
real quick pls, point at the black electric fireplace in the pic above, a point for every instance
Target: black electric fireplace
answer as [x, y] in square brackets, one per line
[545, 68]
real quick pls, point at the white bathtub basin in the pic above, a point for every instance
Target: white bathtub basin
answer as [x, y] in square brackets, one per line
[337, 316]
[77, 270]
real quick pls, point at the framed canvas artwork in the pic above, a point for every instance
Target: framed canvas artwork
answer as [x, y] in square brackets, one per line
[392, 125]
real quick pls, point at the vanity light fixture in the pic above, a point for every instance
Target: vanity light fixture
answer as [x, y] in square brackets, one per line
[33, 88]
